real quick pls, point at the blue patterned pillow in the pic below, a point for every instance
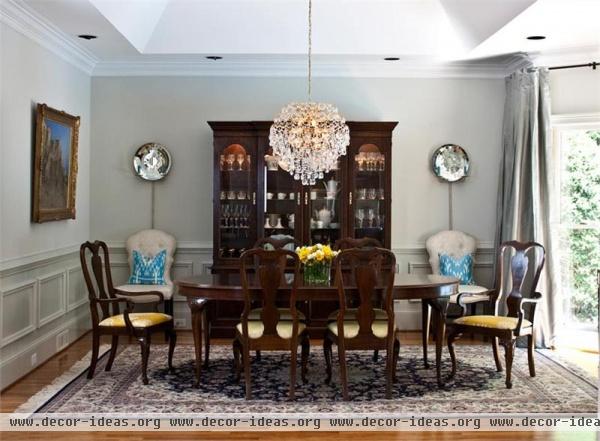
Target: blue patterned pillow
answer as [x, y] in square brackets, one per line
[148, 270]
[461, 268]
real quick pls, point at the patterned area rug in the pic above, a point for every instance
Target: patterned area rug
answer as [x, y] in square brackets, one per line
[477, 387]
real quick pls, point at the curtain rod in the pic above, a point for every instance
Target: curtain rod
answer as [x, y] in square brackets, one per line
[593, 65]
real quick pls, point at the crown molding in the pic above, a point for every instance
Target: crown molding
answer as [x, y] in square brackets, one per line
[20, 17]
[571, 55]
[264, 67]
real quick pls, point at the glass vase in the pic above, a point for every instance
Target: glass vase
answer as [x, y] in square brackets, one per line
[317, 273]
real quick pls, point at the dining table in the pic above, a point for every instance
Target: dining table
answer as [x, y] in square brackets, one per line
[431, 290]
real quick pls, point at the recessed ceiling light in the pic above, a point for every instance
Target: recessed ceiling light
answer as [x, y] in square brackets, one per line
[214, 57]
[536, 37]
[391, 58]
[87, 36]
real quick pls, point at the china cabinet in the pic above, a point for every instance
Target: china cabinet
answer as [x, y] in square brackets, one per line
[254, 197]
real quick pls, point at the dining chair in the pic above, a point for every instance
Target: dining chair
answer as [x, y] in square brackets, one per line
[350, 242]
[517, 293]
[456, 245]
[371, 324]
[269, 327]
[103, 295]
[276, 242]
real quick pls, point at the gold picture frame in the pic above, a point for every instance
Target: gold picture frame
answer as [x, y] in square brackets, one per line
[55, 165]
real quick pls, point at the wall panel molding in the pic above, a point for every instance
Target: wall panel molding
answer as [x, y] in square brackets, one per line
[30, 289]
[42, 295]
[73, 272]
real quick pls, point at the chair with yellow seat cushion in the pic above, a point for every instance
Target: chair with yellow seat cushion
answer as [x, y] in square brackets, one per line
[365, 280]
[138, 319]
[519, 320]
[104, 298]
[269, 327]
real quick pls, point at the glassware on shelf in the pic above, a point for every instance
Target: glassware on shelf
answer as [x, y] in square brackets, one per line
[222, 162]
[371, 217]
[361, 193]
[360, 217]
[230, 159]
[240, 158]
[381, 194]
[371, 193]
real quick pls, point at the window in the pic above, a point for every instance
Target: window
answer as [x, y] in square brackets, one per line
[578, 228]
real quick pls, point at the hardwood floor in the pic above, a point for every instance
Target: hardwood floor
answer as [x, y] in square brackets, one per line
[19, 392]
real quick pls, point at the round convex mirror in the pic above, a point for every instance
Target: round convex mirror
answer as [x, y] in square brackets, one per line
[152, 161]
[451, 163]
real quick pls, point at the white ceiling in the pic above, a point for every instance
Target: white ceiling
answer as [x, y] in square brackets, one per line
[347, 34]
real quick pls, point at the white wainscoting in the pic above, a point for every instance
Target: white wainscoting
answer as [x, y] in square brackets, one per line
[43, 308]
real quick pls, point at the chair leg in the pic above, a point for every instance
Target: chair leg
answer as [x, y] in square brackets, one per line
[343, 370]
[237, 367]
[496, 354]
[530, 349]
[426, 325]
[376, 355]
[246, 363]
[258, 356]
[168, 305]
[172, 342]
[389, 368]
[95, 350]
[396, 357]
[113, 352]
[293, 365]
[145, 346]
[509, 347]
[305, 354]
[328, 355]
[452, 336]
[206, 317]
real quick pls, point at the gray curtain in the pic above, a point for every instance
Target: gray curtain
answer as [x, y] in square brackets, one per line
[525, 189]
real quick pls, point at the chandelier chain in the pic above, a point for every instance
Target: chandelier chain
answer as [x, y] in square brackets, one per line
[309, 49]
[308, 138]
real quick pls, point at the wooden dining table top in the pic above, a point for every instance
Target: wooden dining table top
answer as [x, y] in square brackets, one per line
[227, 286]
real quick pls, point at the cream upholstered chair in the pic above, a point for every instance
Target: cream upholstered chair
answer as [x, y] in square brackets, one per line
[455, 244]
[150, 243]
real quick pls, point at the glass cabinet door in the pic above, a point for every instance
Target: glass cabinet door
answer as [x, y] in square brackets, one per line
[324, 208]
[282, 201]
[237, 201]
[368, 207]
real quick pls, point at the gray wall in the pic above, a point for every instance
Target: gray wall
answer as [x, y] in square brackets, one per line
[130, 111]
[575, 91]
[42, 299]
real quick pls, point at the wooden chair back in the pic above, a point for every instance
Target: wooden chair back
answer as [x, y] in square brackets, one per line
[372, 278]
[267, 269]
[350, 242]
[519, 270]
[101, 285]
[277, 244]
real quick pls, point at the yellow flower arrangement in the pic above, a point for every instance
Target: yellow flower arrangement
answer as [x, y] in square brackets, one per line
[316, 253]
[316, 260]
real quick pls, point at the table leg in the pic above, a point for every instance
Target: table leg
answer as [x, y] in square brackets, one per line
[426, 324]
[441, 307]
[197, 309]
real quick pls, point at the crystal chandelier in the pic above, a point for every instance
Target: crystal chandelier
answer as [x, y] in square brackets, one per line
[308, 138]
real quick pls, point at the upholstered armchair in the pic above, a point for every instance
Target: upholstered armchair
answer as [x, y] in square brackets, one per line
[150, 243]
[455, 244]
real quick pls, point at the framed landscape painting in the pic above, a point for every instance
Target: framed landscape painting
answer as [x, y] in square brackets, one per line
[55, 164]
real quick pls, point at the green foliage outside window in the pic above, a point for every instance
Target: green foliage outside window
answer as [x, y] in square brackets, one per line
[581, 209]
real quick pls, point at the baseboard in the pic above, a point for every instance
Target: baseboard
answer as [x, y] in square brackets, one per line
[15, 367]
